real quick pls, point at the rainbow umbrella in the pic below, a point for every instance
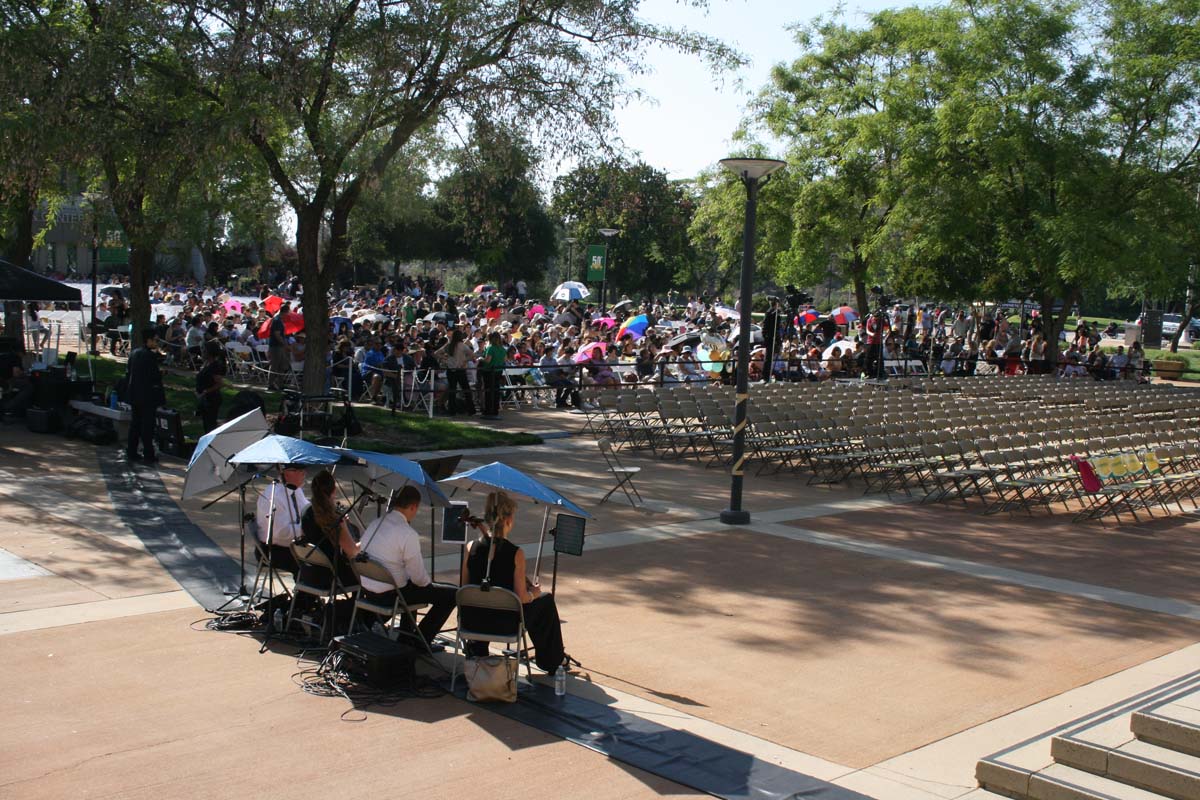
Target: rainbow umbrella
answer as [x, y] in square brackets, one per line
[844, 315]
[807, 317]
[634, 326]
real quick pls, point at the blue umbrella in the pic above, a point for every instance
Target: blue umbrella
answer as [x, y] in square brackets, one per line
[279, 450]
[337, 322]
[394, 472]
[503, 477]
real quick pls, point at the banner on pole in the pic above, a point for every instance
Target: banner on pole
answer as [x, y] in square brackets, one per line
[597, 255]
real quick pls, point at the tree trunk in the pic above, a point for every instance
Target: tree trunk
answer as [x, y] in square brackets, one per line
[141, 270]
[1053, 323]
[24, 205]
[859, 277]
[316, 297]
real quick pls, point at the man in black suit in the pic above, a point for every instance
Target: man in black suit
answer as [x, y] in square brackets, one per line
[145, 393]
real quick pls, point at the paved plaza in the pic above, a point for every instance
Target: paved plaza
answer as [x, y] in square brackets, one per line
[878, 645]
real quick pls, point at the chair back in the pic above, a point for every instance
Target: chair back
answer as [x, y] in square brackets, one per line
[494, 599]
[311, 555]
[374, 571]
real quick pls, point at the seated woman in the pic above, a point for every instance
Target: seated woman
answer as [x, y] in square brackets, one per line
[494, 556]
[833, 364]
[324, 526]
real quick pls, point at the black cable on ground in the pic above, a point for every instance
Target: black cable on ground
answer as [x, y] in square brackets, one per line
[331, 678]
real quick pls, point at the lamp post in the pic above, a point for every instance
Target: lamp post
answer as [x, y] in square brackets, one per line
[571, 240]
[93, 200]
[752, 172]
[607, 233]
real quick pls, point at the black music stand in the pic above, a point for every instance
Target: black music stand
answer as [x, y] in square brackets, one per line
[454, 528]
[568, 536]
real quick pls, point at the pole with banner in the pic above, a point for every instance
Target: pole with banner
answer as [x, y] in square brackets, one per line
[597, 261]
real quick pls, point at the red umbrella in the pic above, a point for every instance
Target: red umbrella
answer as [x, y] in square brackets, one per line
[272, 303]
[844, 315]
[292, 323]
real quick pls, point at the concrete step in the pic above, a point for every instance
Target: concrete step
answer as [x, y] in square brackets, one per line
[982, 794]
[1174, 725]
[1060, 782]
[1157, 769]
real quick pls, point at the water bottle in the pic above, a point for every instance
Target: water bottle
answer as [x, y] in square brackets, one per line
[560, 681]
[277, 618]
[112, 399]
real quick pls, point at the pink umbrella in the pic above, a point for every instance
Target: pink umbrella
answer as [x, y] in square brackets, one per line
[535, 310]
[587, 350]
[605, 322]
[233, 307]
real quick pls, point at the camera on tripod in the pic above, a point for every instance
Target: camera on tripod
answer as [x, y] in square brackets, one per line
[881, 300]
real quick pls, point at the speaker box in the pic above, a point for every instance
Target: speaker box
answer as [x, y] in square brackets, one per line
[43, 420]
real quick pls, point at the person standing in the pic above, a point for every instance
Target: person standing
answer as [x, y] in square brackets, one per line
[277, 349]
[392, 541]
[455, 355]
[491, 365]
[145, 393]
[208, 385]
[770, 330]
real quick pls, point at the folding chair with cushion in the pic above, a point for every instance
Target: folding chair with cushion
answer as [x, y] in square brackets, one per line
[622, 473]
[378, 572]
[311, 556]
[496, 599]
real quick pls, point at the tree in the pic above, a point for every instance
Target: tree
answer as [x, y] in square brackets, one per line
[492, 204]
[333, 91]
[651, 212]
[847, 108]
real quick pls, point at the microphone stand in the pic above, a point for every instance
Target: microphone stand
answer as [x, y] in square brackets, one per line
[241, 595]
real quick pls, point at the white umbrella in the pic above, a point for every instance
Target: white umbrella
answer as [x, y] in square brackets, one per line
[756, 336]
[725, 312]
[372, 316]
[845, 346]
[571, 290]
[210, 467]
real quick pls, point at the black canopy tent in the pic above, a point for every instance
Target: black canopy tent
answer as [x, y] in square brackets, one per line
[18, 284]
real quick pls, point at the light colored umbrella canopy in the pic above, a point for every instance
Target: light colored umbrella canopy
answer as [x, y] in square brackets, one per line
[210, 467]
[571, 290]
[503, 477]
[276, 450]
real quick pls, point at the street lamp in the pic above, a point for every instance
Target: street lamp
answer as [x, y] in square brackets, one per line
[93, 199]
[607, 233]
[566, 273]
[752, 172]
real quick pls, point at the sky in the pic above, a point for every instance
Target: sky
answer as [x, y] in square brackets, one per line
[689, 124]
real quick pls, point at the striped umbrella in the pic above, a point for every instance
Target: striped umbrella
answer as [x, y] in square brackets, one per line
[634, 326]
[844, 315]
[807, 317]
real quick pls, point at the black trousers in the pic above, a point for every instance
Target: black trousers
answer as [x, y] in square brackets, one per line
[491, 391]
[210, 409]
[439, 596]
[141, 426]
[456, 379]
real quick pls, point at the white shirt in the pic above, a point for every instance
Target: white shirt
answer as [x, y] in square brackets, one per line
[287, 513]
[394, 543]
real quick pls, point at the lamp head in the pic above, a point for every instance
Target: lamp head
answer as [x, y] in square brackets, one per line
[752, 169]
[609, 232]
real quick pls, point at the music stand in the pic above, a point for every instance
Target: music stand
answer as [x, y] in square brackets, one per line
[454, 528]
[438, 469]
[568, 536]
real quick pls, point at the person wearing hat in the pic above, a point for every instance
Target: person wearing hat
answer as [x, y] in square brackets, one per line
[279, 515]
[144, 392]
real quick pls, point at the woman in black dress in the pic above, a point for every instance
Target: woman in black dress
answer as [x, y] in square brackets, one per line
[323, 525]
[208, 385]
[508, 571]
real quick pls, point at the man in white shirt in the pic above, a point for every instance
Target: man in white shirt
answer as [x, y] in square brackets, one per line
[285, 501]
[392, 542]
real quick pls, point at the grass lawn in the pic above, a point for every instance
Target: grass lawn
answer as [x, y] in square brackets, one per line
[383, 431]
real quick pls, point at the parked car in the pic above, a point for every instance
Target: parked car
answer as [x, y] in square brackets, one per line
[1170, 324]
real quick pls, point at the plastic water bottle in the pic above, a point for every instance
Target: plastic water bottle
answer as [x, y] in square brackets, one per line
[277, 619]
[560, 681]
[112, 400]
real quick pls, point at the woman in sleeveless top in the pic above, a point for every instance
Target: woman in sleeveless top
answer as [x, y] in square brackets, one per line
[507, 570]
[323, 526]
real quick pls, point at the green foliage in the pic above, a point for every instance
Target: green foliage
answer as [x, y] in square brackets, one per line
[651, 212]
[493, 207]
